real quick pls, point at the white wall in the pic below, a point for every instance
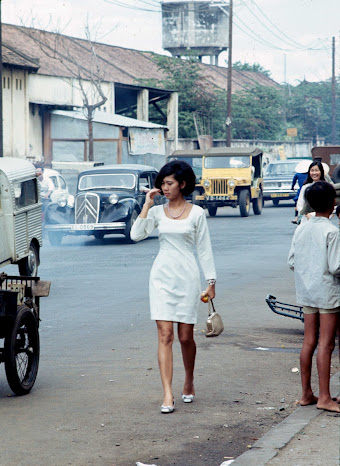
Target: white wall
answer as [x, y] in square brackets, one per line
[15, 113]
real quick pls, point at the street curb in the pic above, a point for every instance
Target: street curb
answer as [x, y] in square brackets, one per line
[268, 446]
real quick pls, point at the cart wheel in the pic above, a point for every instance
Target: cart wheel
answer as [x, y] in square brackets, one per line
[128, 227]
[22, 352]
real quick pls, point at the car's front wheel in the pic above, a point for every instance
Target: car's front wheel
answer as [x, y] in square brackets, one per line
[55, 238]
[276, 202]
[29, 265]
[128, 227]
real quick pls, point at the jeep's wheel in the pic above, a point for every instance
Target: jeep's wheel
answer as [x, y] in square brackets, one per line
[257, 204]
[128, 227]
[276, 202]
[212, 211]
[55, 238]
[244, 202]
[29, 265]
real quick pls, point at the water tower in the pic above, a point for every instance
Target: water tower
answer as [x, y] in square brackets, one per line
[198, 28]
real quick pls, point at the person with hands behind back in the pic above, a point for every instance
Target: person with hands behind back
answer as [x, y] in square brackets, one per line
[174, 284]
[315, 258]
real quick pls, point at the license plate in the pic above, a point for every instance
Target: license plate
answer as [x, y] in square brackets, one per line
[280, 195]
[83, 226]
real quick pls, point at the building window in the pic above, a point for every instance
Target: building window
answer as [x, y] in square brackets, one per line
[4, 83]
[16, 84]
[8, 83]
[20, 84]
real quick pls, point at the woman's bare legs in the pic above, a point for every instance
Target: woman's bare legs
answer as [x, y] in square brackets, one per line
[328, 327]
[165, 360]
[310, 342]
[188, 346]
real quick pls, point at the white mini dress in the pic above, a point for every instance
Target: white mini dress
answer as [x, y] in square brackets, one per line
[175, 285]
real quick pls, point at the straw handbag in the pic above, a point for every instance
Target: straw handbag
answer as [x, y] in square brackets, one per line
[214, 324]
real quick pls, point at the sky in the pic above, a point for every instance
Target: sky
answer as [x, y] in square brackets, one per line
[292, 39]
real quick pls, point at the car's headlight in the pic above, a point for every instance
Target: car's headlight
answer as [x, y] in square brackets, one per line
[113, 199]
[231, 183]
[62, 201]
[206, 183]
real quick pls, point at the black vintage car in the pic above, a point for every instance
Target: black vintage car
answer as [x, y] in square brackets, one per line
[108, 201]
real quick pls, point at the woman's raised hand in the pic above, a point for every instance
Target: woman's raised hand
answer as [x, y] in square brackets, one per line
[150, 196]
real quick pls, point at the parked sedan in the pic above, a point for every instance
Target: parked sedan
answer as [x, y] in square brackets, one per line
[108, 201]
[277, 181]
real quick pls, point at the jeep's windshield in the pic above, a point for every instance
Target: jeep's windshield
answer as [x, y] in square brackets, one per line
[281, 168]
[107, 181]
[241, 161]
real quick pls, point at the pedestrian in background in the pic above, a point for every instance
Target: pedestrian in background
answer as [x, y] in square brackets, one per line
[174, 285]
[300, 176]
[315, 258]
[315, 173]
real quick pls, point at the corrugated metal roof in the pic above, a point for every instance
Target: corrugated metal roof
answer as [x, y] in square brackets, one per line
[15, 168]
[109, 119]
[116, 64]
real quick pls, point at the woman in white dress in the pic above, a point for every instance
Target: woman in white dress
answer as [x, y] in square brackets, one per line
[175, 286]
[315, 173]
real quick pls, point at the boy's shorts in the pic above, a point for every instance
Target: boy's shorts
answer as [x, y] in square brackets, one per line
[315, 310]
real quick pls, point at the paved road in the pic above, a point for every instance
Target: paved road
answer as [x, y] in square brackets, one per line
[97, 395]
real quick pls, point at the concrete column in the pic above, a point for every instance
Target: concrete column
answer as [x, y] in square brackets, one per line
[143, 105]
[172, 118]
[113, 98]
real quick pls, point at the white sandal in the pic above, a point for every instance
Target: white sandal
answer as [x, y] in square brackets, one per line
[168, 409]
[188, 398]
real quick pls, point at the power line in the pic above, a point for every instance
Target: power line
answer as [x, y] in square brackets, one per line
[131, 7]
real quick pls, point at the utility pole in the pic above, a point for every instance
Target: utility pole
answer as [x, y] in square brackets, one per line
[333, 93]
[1, 124]
[228, 121]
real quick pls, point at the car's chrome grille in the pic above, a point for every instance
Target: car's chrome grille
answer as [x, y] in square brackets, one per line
[87, 208]
[219, 186]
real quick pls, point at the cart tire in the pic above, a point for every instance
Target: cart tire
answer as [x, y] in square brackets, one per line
[244, 202]
[55, 238]
[29, 265]
[212, 211]
[129, 224]
[22, 349]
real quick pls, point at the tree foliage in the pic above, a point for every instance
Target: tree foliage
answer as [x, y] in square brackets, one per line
[257, 113]
[309, 108]
[196, 94]
[248, 67]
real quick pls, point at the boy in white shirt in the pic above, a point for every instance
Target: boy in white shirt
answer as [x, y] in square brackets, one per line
[315, 258]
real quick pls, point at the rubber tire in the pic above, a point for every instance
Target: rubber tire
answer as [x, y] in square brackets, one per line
[55, 238]
[193, 196]
[22, 371]
[99, 235]
[212, 211]
[128, 227]
[258, 204]
[276, 202]
[29, 265]
[244, 202]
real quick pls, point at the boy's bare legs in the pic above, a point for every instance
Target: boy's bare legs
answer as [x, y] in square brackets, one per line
[310, 342]
[165, 360]
[188, 346]
[328, 327]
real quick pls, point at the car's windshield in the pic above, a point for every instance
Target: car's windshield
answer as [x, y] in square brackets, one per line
[281, 168]
[107, 180]
[194, 162]
[241, 161]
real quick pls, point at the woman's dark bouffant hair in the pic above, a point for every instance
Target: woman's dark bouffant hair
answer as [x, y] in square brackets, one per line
[181, 172]
[309, 178]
